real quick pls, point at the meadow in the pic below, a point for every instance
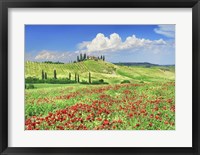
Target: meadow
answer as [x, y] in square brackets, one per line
[146, 101]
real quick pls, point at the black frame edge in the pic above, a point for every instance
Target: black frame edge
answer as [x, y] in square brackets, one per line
[198, 76]
[5, 150]
[100, 3]
[1, 115]
[195, 77]
[4, 78]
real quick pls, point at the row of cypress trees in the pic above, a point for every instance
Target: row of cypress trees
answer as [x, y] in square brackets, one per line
[77, 78]
[44, 75]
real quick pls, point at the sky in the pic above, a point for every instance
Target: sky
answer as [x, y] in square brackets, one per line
[119, 43]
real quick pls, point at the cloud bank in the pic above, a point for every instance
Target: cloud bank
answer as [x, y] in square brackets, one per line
[132, 49]
[114, 43]
[47, 55]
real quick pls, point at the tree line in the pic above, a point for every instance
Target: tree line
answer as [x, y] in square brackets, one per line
[51, 62]
[66, 80]
[80, 57]
[76, 77]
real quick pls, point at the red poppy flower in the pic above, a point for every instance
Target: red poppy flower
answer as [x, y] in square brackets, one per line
[105, 122]
[130, 115]
[166, 122]
[157, 117]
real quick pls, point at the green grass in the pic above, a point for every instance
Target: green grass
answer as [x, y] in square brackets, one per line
[60, 86]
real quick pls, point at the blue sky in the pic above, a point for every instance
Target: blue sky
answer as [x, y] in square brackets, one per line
[119, 43]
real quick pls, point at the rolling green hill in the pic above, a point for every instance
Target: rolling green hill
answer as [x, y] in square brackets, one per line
[101, 70]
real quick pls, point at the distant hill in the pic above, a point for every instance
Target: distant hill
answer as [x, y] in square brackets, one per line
[112, 73]
[139, 64]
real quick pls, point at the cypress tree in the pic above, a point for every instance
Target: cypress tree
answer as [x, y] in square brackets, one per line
[103, 58]
[42, 75]
[89, 77]
[78, 78]
[81, 57]
[84, 57]
[75, 76]
[78, 59]
[69, 76]
[55, 74]
[45, 75]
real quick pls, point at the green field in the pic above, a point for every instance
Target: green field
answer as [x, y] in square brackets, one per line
[101, 70]
[146, 103]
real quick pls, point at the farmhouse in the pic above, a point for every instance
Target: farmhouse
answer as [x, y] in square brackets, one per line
[92, 58]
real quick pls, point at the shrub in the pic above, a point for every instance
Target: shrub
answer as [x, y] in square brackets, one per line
[33, 80]
[59, 81]
[94, 82]
[29, 86]
[99, 82]
[84, 82]
[125, 81]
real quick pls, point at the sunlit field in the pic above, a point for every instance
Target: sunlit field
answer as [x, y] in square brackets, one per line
[99, 77]
[147, 104]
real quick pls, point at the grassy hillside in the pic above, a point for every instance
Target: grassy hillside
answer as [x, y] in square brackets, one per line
[101, 70]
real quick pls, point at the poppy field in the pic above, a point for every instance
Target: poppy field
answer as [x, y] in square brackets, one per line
[99, 77]
[129, 106]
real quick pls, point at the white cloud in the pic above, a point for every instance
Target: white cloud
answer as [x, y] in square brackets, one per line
[113, 43]
[45, 55]
[166, 30]
[53, 55]
[83, 44]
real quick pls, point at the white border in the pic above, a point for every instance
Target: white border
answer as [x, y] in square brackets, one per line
[181, 137]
